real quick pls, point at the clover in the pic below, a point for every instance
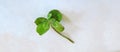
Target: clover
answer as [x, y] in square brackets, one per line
[53, 19]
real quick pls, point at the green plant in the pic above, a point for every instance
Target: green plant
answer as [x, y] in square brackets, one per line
[53, 19]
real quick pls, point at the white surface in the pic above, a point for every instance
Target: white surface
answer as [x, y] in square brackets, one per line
[94, 25]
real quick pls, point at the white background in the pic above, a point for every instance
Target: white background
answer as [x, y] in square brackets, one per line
[94, 25]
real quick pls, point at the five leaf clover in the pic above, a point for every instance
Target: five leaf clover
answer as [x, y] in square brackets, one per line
[53, 19]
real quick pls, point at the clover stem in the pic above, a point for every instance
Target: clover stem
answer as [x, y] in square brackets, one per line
[64, 36]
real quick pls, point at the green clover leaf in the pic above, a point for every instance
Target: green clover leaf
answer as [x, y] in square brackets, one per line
[40, 20]
[42, 25]
[54, 17]
[57, 26]
[55, 14]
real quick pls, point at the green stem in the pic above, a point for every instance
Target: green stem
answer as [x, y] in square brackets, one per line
[64, 36]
